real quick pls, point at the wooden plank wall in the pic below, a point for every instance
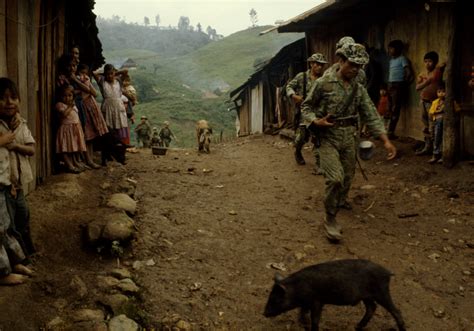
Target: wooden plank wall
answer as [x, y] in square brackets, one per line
[3, 40]
[244, 114]
[50, 47]
[423, 31]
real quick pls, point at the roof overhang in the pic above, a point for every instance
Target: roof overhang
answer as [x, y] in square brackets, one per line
[323, 13]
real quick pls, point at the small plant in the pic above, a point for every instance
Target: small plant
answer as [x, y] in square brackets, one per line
[115, 249]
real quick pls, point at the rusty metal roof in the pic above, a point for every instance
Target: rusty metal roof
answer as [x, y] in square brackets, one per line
[326, 12]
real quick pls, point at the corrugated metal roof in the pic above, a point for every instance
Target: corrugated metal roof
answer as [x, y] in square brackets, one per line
[297, 19]
[235, 94]
[323, 13]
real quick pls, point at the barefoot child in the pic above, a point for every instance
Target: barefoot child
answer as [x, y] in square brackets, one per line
[112, 105]
[12, 270]
[21, 174]
[95, 125]
[70, 141]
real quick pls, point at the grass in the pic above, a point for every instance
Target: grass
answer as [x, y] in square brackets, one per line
[181, 81]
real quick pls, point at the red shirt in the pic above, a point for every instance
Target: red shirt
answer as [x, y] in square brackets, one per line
[382, 107]
[428, 93]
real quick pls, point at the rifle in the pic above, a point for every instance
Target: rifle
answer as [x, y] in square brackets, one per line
[297, 117]
[315, 131]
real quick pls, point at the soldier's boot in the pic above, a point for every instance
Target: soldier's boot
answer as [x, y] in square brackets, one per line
[299, 157]
[427, 148]
[332, 228]
[345, 205]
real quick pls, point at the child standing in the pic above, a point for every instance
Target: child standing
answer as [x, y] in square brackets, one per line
[70, 141]
[112, 105]
[12, 271]
[382, 105]
[21, 174]
[130, 94]
[95, 125]
[436, 113]
[166, 135]
[398, 77]
[427, 84]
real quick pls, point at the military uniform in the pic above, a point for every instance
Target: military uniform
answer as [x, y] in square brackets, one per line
[299, 87]
[361, 77]
[166, 135]
[296, 86]
[143, 132]
[338, 143]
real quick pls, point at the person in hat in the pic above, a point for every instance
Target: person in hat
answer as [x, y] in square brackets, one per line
[166, 135]
[155, 137]
[297, 90]
[331, 111]
[143, 132]
[361, 76]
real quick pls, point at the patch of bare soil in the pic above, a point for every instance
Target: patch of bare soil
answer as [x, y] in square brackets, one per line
[216, 226]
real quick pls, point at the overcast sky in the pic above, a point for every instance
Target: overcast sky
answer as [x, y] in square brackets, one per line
[226, 16]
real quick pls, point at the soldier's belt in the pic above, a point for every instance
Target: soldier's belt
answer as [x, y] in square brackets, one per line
[344, 122]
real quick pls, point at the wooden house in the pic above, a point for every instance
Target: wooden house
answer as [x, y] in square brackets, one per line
[128, 64]
[258, 102]
[445, 26]
[33, 34]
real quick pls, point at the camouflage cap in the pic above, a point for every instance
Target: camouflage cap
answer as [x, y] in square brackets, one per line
[166, 123]
[345, 40]
[355, 53]
[317, 57]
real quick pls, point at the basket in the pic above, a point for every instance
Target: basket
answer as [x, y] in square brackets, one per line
[158, 150]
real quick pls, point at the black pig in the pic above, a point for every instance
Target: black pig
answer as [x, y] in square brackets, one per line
[111, 147]
[342, 282]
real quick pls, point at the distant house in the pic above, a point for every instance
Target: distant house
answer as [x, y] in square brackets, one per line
[33, 34]
[259, 101]
[128, 64]
[424, 26]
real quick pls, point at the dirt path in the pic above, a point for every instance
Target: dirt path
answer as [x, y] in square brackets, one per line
[214, 223]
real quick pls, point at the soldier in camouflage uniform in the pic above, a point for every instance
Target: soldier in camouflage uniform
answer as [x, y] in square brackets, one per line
[166, 135]
[297, 89]
[332, 110]
[361, 76]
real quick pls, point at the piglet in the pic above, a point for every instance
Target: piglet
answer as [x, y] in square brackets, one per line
[341, 282]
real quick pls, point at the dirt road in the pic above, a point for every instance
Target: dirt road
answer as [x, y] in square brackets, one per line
[215, 223]
[218, 226]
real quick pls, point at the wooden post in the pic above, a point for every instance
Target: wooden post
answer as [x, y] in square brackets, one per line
[449, 118]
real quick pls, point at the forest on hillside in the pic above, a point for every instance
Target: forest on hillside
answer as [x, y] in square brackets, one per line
[182, 39]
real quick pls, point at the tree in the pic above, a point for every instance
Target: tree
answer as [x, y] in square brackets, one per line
[157, 20]
[253, 17]
[146, 20]
[209, 31]
[199, 27]
[183, 23]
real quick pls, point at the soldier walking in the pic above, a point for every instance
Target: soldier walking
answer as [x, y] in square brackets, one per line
[143, 132]
[297, 90]
[332, 111]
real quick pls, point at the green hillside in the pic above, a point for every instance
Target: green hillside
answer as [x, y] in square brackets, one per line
[174, 88]
[229, 60]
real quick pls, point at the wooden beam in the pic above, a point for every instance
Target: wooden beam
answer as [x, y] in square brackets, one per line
[22, 50]
[12, 39]
[3, 39]
[449, 118]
